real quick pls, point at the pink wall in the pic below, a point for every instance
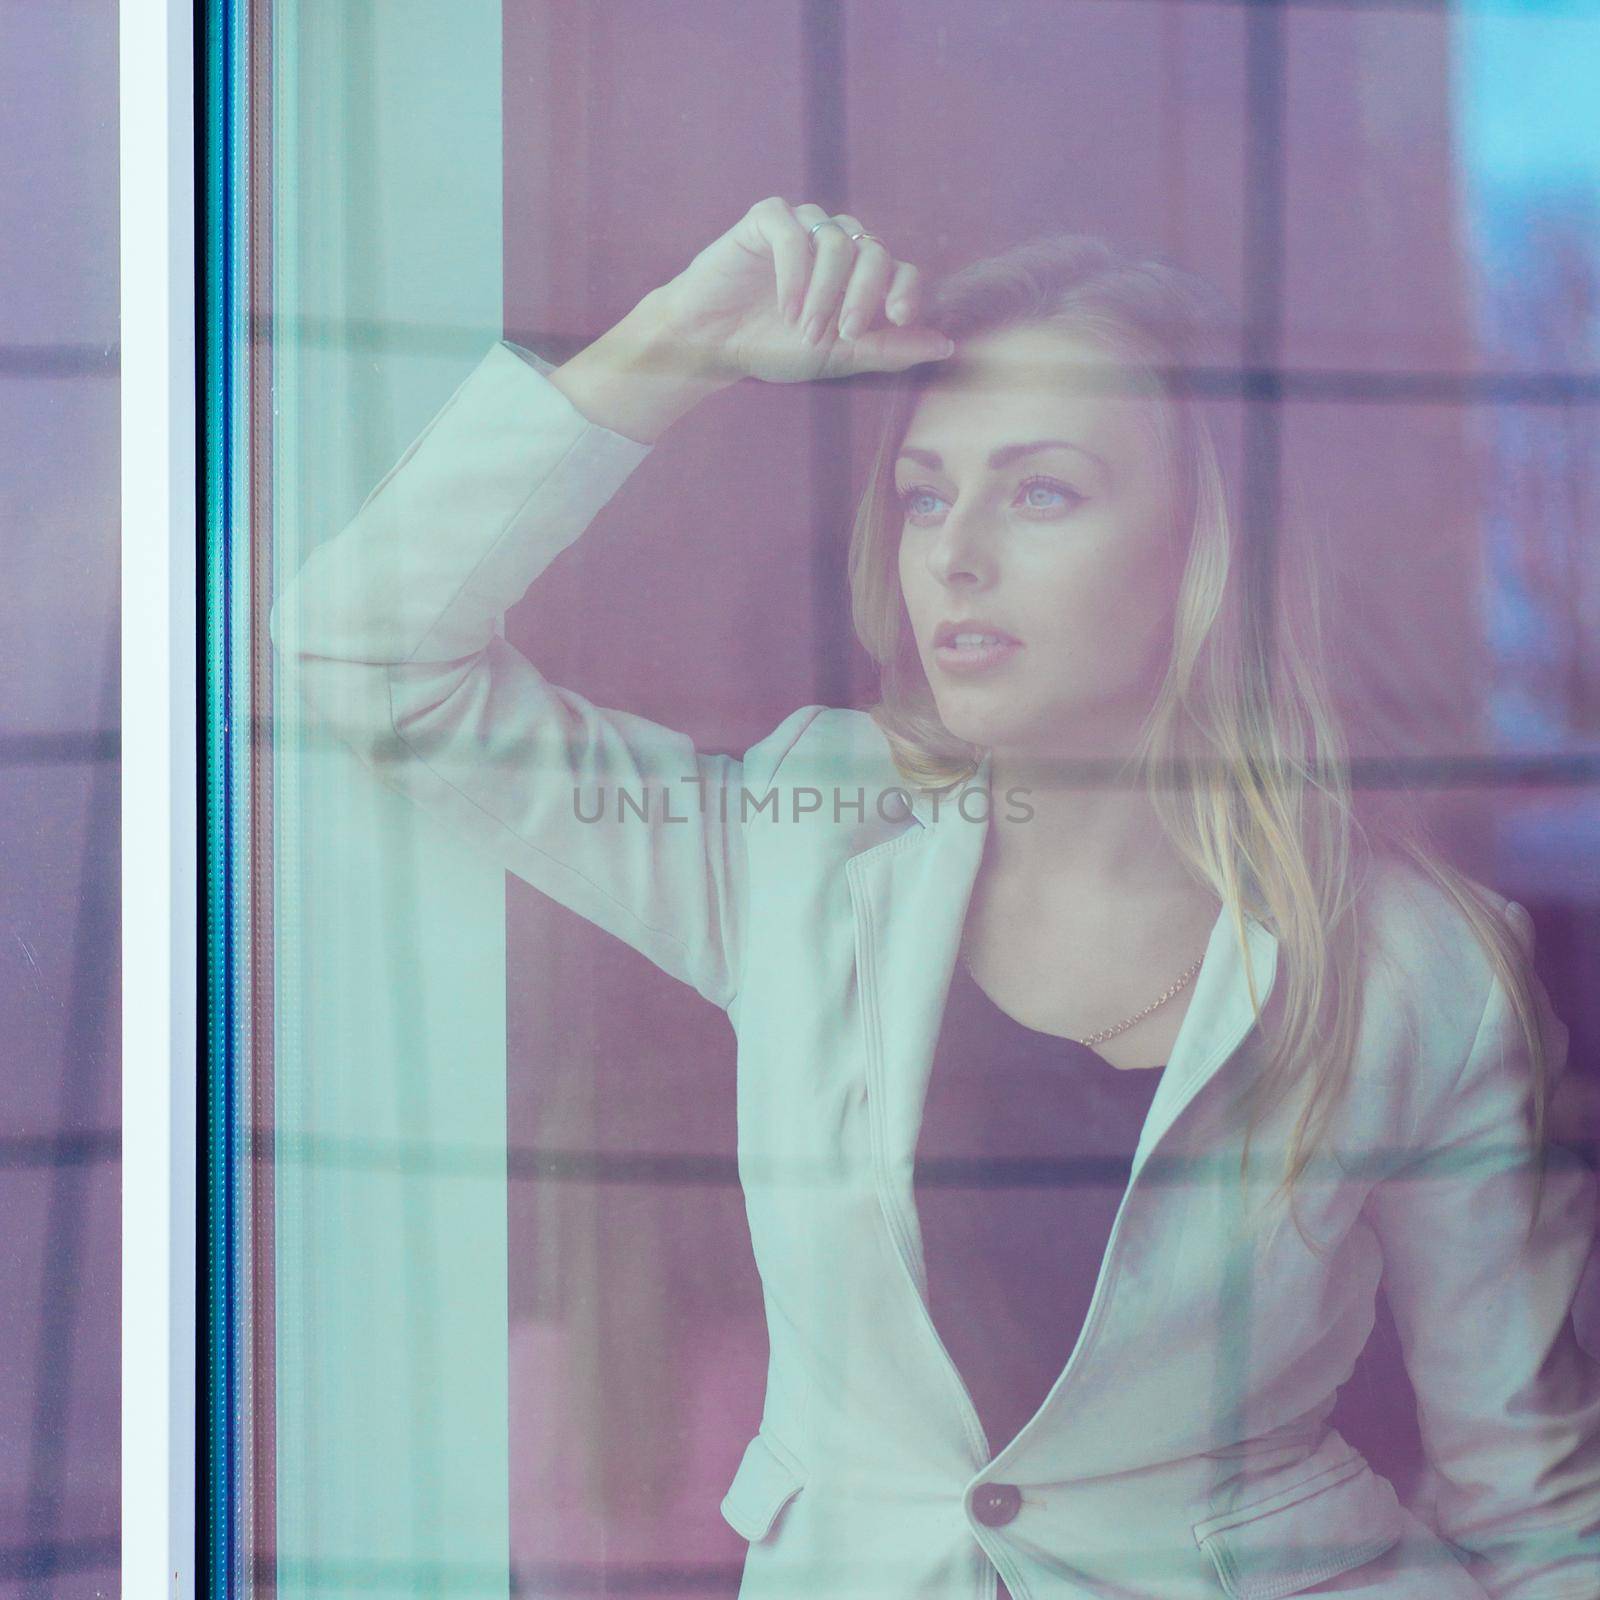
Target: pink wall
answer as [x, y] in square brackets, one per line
[633, 137]
[60, 1139]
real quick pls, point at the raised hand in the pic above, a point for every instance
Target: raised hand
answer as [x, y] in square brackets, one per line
[792, 293]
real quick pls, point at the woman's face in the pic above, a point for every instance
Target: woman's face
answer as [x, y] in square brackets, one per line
[1044, 514]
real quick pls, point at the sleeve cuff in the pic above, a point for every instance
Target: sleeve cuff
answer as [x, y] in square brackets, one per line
[631, 451]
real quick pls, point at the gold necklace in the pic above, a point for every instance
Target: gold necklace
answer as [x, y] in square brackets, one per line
[1138, 1016]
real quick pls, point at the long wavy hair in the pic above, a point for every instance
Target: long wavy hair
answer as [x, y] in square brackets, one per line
[1243, 755]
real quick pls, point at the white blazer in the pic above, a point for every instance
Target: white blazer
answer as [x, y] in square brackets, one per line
[1184, 1450]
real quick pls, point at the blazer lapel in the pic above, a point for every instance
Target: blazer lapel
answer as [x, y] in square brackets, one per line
[910, 895]
[1219, 1017]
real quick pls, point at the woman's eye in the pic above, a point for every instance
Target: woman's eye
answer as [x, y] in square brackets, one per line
[1048, 494]
[914, 502]
[1043, 495]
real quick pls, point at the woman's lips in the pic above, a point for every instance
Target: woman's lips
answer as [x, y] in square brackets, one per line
[973, 658]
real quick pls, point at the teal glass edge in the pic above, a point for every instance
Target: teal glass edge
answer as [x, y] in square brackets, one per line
[223, 178]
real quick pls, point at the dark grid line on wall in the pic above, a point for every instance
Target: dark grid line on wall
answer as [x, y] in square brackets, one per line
[60, 749]
[1261, 500]
[545, 1580]
[41, 1561]
[1444, 9]
[28, 1152]
[688, 1169]
[1497, 769]
[824, 110]
[1397, 386]
[60, 360]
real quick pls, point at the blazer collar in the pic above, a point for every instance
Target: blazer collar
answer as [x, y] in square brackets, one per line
[910, 895]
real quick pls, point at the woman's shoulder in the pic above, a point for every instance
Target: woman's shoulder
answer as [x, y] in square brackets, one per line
[1407, 915]
[1424, 966]
[1426, 985]
[823, 744]
[828, 772]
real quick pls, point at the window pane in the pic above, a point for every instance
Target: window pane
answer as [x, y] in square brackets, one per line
[625, 1212]
[60, 1135]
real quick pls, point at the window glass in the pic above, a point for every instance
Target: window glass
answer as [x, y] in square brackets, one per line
[60, 1120]
[681, 1154]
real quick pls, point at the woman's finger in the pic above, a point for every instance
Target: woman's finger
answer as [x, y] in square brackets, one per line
[869, 279]
[904, 299]
[791, 252]
[830, 272]
[894, 349]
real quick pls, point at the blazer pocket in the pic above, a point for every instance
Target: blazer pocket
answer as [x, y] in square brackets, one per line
[1336, 1519]
[769, 1477]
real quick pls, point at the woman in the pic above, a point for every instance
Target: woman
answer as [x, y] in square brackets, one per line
[1096, 845]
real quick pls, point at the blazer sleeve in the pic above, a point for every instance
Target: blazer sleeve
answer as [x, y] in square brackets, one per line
[1508, 1399]
[390, 628]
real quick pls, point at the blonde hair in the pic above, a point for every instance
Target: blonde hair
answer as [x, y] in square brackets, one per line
[1242, 753]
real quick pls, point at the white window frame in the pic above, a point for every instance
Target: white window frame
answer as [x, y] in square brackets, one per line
[160, 819]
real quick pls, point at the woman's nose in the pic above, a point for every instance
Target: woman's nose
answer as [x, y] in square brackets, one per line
[961, 548]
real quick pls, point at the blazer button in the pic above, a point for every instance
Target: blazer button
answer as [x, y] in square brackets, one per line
[995, 1504]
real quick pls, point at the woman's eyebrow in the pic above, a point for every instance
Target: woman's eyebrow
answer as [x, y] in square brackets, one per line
[1006, 454]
